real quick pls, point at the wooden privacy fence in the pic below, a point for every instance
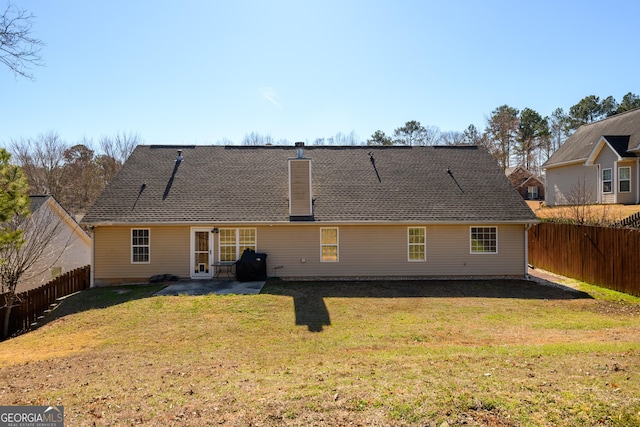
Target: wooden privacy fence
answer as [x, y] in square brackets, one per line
[607, 257]
[31, 305]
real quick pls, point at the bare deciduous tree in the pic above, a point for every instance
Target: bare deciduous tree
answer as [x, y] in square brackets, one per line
[116, 150]
[254, 138]
[580, 199]
[19, 50]
[43, 246]
[42, 160]
[120, 145]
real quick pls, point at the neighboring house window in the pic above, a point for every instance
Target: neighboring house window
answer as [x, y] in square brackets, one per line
[606, 180]
[233, 241]
[140, 246]
[624, 179]
[532, 193]
[484, 240]
[329, 244]
[417, 244]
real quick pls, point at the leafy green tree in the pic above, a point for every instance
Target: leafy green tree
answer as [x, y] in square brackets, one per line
[559, 129]
[588, 110]
[14, 199]
[379, 138]
[629, 102]
[533, 133]
[501, 133]
[471, 135]
[609, 106]
[412, 133]
[14, 202]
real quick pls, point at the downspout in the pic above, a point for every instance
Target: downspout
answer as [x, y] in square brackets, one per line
[637, 183]
[599, 184]
[614, 182]
[92, 270]
[526, 251]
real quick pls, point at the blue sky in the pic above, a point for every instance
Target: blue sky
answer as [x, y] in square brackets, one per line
[198, 72]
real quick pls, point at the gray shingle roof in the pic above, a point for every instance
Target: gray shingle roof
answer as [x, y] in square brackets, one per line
[35, 201]
[250, 184]
[579, 145]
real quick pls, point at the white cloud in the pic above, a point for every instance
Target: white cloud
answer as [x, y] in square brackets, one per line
[269, 94]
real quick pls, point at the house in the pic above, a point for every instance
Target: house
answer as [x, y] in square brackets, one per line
[526, 183]
[66, 245]
[597, 164]
[323, 212]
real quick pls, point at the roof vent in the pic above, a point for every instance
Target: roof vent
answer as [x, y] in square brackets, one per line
[180, 158]
[299, 150]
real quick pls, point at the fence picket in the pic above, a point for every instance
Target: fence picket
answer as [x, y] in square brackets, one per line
[601, 256]
[33, 303]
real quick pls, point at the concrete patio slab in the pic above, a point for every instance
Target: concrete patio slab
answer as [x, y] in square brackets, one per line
[218, 287]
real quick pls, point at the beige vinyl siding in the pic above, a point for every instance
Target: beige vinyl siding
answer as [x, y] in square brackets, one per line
[300, 190]
[607, 160]
[381, 251]
[293, 251]
[563, 181]
[627, 197]
[169, 254]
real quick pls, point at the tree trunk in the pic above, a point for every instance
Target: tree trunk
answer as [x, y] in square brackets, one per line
[9, 299]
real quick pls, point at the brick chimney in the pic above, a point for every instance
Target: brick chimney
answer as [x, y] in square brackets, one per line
[300, 191]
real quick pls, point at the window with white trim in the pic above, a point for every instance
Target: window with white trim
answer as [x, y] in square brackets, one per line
[329, 244]
[606, 180]
[140, 247]
[484, 240]
[417, 244]
[233, 241]
[624, 179]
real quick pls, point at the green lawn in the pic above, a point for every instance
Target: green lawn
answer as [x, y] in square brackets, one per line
[494, 353]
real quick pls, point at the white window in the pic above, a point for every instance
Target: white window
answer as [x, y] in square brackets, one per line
[417, 244]
[233, 241]
[329, 244]
[532, 193]
[484, 240]
[624, 179]
[140, 253]
[606, 180]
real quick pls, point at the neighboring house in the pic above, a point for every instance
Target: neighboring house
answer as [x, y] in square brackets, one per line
[527, 184]
[69, 248]
[597, 164]
[317, 212]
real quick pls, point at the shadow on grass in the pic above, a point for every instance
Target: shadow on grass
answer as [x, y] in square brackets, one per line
[311, 310]
[97, 298]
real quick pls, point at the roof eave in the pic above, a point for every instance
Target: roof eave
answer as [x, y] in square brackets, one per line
[302, 223]
[565, 163]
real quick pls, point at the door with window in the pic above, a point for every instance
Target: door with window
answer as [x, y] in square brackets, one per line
[201, 254]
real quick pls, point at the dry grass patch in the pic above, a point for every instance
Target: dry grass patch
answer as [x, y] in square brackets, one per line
[591, 213]
[494, 353]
